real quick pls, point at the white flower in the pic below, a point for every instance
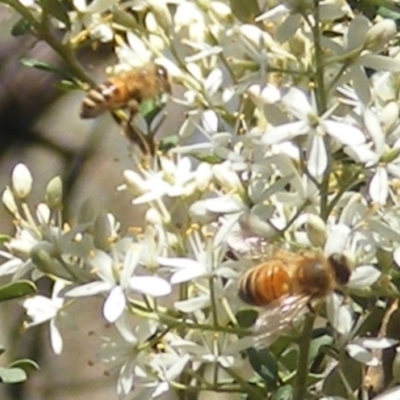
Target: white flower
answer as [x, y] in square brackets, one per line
[132, 54]
[174, 180]
[118, 281]
[89, 17]
[315, 127]
[125, 350]
[360, 349]
[41, 309]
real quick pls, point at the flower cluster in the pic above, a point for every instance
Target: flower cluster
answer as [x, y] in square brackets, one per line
[291, 140]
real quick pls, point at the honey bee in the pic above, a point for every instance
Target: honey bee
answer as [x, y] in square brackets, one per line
[285, 284]
[128, 89]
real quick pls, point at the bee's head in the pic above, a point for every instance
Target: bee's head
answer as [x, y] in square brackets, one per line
[340, 267]
[163, 78]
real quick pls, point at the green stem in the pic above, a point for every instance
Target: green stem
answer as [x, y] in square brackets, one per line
[213, 302]
[140, 310]
[319, 60]
[300, 388]
[250, 389]
[44, 33]
[351, 182]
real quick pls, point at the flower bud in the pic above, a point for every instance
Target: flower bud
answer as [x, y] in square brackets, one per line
[9, 202]
[43, 213]
[134, 182]
[200, 213]
[153, 217]
[379, 35]
[102, 233]
[21, 181]
[316, 231]
[54, 193]
[227, 177]
[203, 177]
[161, 13]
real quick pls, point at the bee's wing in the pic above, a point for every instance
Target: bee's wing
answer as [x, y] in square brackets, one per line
[280, 315]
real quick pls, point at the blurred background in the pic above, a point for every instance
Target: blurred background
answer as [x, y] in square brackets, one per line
[40, 127]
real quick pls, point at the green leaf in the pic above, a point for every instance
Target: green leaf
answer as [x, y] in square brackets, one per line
[283, 393]
[12, 375]
[46, 258]
[22, 27]
[245, 11]
[123, 18]
[66, 85]
[349, 368]
[149, 109]
[265, 364]
[25, 364]
[37, 64]
[4, 239]
[16, 290]
[317, 344]
[57, 10]
[210, 158]
[246, 318]
[168, 143]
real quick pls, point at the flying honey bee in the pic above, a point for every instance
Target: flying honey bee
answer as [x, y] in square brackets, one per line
[285, 284]
[128, 89]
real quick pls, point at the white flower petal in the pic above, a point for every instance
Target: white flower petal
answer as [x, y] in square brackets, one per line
[176, 369]
[274, 13]
[178, 262]
[134, 182]
[344, 133]
[363, 276]
[11, 266]
[159, 189]
[40, 309]
[362, 153]
[209, 120]
[391, 394]
[339, 314]
[125, 378]
[115, 304]
[285, 132]
[187, 274]
[131, 261]
[337, 238]
[356, 34]
[379, 186]
[375, 343]
[150, 285]
[317, 159]
[103, 265]
[225, 204]
[55, 338]
[89, 289]
[159, 390]
[298, 103]
[396, 256]
[193, 304]
[214, 80]
[373, 125]
[381, 63]
[361, 355]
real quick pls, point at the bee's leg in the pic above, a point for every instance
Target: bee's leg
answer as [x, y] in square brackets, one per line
[154, 130]
[311, 308]
[133, 133]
